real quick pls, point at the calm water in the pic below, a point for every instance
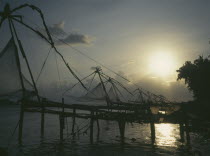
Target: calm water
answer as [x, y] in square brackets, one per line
[107, 143]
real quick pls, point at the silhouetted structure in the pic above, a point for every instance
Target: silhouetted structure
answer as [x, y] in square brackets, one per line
[139, 111]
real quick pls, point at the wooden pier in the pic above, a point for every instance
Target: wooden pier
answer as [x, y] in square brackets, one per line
[122, 113]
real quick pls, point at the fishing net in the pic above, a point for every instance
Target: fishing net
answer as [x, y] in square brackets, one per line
[10, 84]
[112, 95]
[97, 95]
[139, 97]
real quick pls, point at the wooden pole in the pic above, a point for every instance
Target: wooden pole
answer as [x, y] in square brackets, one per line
[73, 121]
[98, 126]
[114, 88]
[104, 88]
[63, 112]
[141, 96]
[61, 122]
[31, 75]
[91, 127]
[20, 133]
[22, 85]
[121, 124]
[152, 126]
[181, 130]
[187, 132]
[42, 118]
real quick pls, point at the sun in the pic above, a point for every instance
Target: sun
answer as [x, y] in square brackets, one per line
[161, 64]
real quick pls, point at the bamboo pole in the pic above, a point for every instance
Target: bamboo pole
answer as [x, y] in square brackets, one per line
[121, 124]
[73, 121]
[181, 131]
[187, 131]
[91, 127]
[104, 88]
[20, 133]
[115, 91]
[63, 111]
[98, 126]
[31, 75]
[61, 123]
[152, 126]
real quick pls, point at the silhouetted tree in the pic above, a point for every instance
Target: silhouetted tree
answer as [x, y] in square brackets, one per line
[197, 78]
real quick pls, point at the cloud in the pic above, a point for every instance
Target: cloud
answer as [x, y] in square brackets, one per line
[75, 38]
[57, 30]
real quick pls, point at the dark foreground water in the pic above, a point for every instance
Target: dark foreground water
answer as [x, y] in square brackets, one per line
[106, 143]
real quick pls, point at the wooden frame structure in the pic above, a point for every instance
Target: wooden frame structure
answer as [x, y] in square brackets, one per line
[117, 111]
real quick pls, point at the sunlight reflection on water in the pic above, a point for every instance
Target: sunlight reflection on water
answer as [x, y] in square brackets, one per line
[167, 134]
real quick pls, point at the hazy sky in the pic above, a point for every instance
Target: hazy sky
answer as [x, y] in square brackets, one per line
[146, 39]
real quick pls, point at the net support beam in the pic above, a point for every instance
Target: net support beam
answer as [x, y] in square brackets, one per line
[20, 132]
[104, 88]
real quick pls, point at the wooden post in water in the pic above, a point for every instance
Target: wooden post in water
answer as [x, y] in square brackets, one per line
[121, 124]
[12, 28]
[181, 130]
[15, 35]
[187, 131]
[91, 126]
[61, 120]
[98, 126]
[42, 117]
[73, 121]
[42, 122]
[63, 113]
[152, 126]
[20, 134]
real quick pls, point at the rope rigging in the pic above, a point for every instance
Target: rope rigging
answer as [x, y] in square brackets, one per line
[59, 77]
[117, 82]
[97, 62]
[91, 81]
[77, 84]
[7, 13]
[43, 65]
[104, 79]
